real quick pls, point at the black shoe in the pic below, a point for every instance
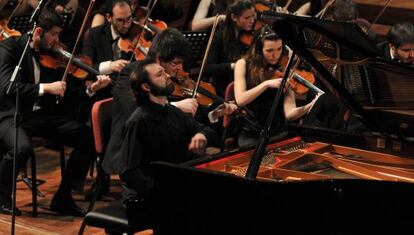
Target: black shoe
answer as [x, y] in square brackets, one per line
[66, 207]
[7, 210]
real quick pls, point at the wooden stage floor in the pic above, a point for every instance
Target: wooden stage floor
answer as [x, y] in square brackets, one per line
[47, 221]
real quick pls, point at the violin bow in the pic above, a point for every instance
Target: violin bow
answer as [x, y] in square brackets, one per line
[287, 5]
[145, 23]
[210, 40]
[379, 14]
[88, 12]
[322, 12]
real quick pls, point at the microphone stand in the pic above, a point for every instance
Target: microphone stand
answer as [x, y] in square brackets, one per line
[260, 149]
[15, 80]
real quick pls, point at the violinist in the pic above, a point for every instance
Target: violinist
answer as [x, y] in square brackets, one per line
[100, 15]
[102, 44]
[38, 121]
[205, 14]
[255, 86]
[399, 46]
[226, 47]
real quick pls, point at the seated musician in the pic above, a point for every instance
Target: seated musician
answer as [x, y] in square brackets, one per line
[102, 44]
[156, 131]
[37, 120]
[227, 46]
[255, 87]
[169, 48]
[399, 46]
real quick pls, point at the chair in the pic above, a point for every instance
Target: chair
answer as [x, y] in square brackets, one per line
[33, 183]
[101, 124]
[113, 219]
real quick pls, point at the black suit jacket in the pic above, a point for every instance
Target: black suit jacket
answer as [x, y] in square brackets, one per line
[99, 45]
[385, 49]
[10, 52]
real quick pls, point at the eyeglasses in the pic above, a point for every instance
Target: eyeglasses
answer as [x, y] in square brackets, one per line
[123, 21]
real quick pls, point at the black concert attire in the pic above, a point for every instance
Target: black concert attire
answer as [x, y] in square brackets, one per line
[386, 51]
[122, 107]
[328, 112]
[102, 47]
[220, 59]
[155, 133]
[252, 124]
[38, 119]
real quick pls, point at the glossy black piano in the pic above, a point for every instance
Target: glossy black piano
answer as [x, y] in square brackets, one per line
[312, 180]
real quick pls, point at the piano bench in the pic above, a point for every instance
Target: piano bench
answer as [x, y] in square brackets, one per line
[113, 219]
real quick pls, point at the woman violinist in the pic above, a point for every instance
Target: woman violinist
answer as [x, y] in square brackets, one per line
[226, 47]
[255, 86]
[205, 14]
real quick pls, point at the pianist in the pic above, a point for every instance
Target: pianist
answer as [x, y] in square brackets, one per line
[156, 131]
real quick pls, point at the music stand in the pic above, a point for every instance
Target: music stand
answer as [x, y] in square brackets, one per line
[22, 23]
[198, 43]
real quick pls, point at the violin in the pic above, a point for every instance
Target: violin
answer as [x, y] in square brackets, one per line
[141, 33]
[184, 87]
[6, 32]
[247, 37]
[58, 57]
[137, 41]
[296, 82]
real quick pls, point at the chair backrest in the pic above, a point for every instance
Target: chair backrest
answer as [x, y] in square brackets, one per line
[228, 95]
[101, 123]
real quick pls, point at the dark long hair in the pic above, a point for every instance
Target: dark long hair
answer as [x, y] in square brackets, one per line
[229, 30]
[255, 57]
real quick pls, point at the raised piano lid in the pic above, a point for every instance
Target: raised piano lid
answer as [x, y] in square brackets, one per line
[391, 109]
[209, 196]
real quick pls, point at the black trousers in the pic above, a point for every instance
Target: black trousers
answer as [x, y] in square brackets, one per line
[58, 128]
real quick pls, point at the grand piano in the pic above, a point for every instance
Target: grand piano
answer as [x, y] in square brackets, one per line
[312, 180]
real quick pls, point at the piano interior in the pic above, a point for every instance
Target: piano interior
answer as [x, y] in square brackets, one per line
[296, 160]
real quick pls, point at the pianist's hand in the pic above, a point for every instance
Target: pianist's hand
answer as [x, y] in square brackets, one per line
[198, 144]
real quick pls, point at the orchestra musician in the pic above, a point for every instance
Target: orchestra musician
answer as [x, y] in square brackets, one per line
[399, 46]
[205, 14]
[227, 47]
[156, 131]
[37, 121]
[102, 44]
[256, 82]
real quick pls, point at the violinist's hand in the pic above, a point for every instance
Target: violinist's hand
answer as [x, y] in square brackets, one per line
[55, 88]
[118, 65]
[273, 83]
[101, 82]
[224, 109]
[221, 18]
[198, 144]
[188, 105]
